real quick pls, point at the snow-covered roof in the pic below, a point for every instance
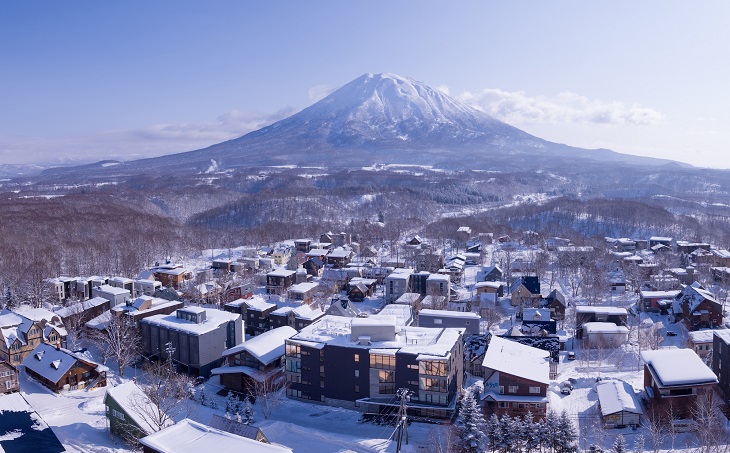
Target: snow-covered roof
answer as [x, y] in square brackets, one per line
[659, 294]
[426, 342]
[50, 362]
[660, 239]
[188, 436]
[663, 365]
[112, 290]
[135, 403]
[304, 311]
[702, 336]
[604, 327]
[600, 309]
[616, 396]
[495, 285]
[721, 253]
[213, 320]
[402, 313]
[265, 347]
[257, 303]
[81, 306]
[303, 287]
[517, 359]
[536, 314]
[723, 334]
[694, 295]
[100, 322]
[281, 273]
[39, 314]
[448, 314]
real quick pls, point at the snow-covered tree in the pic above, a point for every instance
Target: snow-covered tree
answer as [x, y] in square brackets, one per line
[247, 418]
[471, 424]
[530, 433]
[639, 444]
[619, 445]
[493, 432]
[566, 435]
[593, 448]
[119, 340]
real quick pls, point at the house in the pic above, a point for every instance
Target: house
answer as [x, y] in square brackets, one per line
[254, 312]
[720, 257]
[721, 359]
[145, 306]
[303, 292]
[338, 258]
[129, 412]
[188, 436]
[649, 301]
[20, 334]
[689, 247]
[444, 318]
[438, 285]
[475, 346]
[619, 405]
[60, 369]
[604, 335]
[84, 311]
[538, 318]
[122, 282]
[555, 301]
[209, 292]
[415, 240]
[525, 291]
[434, 302]
[496, 287]
[598, 313]
[302, 245]
[23, 428]
[173, 275]
[675, 388]
[697, 307]
[359, 288]
[259, 359]
[243, 291]
[197, 337]
[410, 299]
[278, 281]
[397, 284]
[314, 266]
[9, 378]
[700, 341]
[720, 275]
[113, 294]
[146, 286]
[221, 265]
[359, 363]
[297, 317]
[516, 379]
[660, 240]
[625, 245]
[617, 282]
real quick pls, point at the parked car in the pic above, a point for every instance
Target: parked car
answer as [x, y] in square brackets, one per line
[671, 333]
[566, 387]
[571, 355]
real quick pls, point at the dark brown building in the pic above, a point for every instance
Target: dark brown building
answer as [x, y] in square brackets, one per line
[60, 369]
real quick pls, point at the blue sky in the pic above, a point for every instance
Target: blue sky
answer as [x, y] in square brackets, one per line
[83, 80]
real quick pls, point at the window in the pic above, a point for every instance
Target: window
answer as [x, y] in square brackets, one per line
[413, 366]
[437, 321]
[8, 385]
[534, 389]
[432, 385]
[293, 366]
[357, 373]
[501, 389]
[433, 368]
[503, 404]
[383, 362]
[117, 414]
[357, 357]
[357, 389]
[293, 350]
[512, 389]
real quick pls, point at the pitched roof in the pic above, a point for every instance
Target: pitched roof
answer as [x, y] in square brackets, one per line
[135, 403]
[52, 363]
[663, 364]
[517, 359]
[265, 347]
[617, 396]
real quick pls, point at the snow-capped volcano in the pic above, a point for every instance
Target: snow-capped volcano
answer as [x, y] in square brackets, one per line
[381, 118]
[387, 110]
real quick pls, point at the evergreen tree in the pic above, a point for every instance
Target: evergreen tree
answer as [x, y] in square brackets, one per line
[247, 413]
[493, 432]
[551, 432]
[542, 439]
[513, 434]
[530, 434]
[471, 424]
[505, 436]
[639, 444]
[566, 436]
[231, 402]
[619, 445]
[593, 448]
[203, 398]
[10, 302]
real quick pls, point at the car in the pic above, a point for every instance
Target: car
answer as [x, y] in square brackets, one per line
[571, 355]
[566, 388]
[671, 333]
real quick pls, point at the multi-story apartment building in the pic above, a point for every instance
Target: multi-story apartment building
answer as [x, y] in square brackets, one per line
[362, 362]
[196, 337]
[9, 378]
[397, 284]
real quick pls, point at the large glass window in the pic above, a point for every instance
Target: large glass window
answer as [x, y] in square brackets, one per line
[433, 368]
[433, 385]
[294, 366]
[293, 350]
[383, 362]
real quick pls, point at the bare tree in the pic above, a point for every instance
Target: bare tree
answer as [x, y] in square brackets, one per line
[120, 340]
[710, 429]
[269, 393]
[169, 394]
[73, 323]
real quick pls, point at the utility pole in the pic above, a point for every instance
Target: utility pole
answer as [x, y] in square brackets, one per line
[401, 426]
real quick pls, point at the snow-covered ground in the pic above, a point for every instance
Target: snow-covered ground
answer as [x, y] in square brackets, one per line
[78, 420]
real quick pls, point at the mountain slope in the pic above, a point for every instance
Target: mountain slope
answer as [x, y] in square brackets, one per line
[382, 118]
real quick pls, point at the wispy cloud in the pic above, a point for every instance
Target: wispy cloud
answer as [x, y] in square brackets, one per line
[319, 92]
[517, 107]
[149, 141]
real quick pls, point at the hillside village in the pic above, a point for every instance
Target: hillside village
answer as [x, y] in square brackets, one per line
[620, 340]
